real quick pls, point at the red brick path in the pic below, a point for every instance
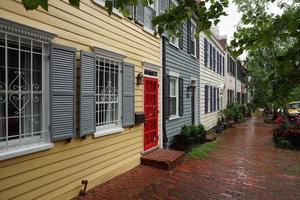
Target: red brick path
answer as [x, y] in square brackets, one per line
[246, 165]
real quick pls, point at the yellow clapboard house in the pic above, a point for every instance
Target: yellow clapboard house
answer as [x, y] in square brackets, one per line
[69, 94]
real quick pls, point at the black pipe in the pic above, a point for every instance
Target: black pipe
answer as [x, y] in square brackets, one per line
[165, 138]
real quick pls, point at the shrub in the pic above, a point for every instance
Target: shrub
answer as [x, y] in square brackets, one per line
[287, 136]
[186, 131]
[194, 130]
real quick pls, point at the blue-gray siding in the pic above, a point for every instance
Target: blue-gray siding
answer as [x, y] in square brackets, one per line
[180, 61]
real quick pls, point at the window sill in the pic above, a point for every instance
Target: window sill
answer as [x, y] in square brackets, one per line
[28, 149]
[148, 30]
[174, 45]
[193, 56]
[100, 133]
[174, 117]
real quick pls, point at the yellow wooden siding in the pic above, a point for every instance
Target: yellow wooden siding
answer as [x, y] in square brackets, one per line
[57, 173]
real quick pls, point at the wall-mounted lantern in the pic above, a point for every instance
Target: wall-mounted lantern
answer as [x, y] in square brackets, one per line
[191, 87]
[140, 79]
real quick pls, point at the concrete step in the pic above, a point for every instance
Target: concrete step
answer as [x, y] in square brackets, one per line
[163, 159]
[211, 137]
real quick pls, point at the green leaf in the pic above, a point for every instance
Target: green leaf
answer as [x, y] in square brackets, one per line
[109, 6]
[75, 3]
[34, 4]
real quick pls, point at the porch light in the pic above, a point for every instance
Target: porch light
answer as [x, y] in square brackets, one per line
[140, 79]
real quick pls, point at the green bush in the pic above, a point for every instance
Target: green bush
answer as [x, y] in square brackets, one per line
[192, 130]
[235, 112]
[186, 131]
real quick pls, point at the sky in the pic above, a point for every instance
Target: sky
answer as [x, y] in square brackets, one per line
[227, 24]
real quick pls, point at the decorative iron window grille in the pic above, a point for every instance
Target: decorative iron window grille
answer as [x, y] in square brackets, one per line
[108, 93]
[23, 62]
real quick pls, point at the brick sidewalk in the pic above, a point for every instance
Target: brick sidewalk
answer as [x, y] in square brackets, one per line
[246, 165]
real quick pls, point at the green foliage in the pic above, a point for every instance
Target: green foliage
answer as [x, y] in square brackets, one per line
[186, 131]
[202, 150]
[192, 130]
[273, 46]
[207, 12]
[235, 112]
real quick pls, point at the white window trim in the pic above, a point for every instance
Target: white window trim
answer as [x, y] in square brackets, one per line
[174, 75]
[104, 130]
[24, 150]
[176, 41]
[193, 23]
[19, 149]
[100, 133]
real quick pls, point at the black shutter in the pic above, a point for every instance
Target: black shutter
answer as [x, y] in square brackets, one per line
[197, 47]
[215, 97]
[218, 98]
[205, 52]
[211, 99]
[62, 92]
[223, 60]
[166, 94]
[128, 116]
[181, 97]
[217, 54]
[87, 93]
[181, 37]
[189, 36]
[210, 56]
[206, 98]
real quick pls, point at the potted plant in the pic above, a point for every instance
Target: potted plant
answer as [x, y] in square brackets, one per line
[219, 127]
[229, 116]
[199, 134]
[183, 141]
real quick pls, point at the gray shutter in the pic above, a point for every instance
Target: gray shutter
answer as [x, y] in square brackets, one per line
[189, 36]
[128, 116]
[139, 13]
[215, 97]
[214, 59]
[181, 97]
[166, 94]
[62, 92]
[206, 98]
[87, 93]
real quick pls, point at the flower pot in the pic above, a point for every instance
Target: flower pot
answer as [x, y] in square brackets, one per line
[219, 129]
[199, 139]
[183, 143]
[231, 123]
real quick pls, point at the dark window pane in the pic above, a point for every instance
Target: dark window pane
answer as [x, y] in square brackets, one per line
[2, 56]
[13, 41]
[25, 44]
[13, 58]
[2, 39]
[172, 105]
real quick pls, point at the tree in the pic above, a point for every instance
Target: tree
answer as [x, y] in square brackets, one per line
[207, 12]
[272, 41]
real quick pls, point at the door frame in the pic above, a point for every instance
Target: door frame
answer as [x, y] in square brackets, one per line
[154, 68]
[196, 104]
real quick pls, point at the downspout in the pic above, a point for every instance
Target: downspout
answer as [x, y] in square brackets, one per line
[165, 138]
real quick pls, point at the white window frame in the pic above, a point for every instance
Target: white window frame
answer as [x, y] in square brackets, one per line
[153, 6]
[193, 37]
[175, 76]
[110, 128]
[31, 144]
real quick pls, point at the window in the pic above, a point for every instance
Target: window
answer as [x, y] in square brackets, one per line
[149, 14]
[23, 68]
[108, 93]
[193, 37]
[174, 40]
[174, 96]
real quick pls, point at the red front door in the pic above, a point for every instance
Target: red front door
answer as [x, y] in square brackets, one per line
[151, 113]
